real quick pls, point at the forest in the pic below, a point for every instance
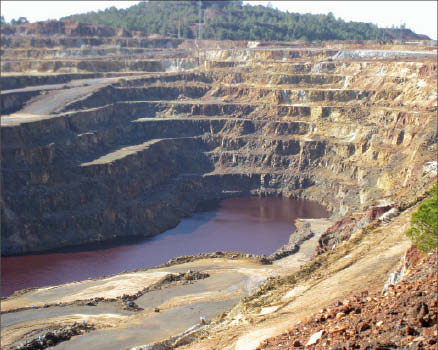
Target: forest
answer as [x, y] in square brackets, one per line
[232, 20]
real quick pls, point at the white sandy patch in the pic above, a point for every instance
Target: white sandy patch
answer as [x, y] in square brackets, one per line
[195, 298]
[251, 340]
[269, 310]
[116, 286]
[297, 291]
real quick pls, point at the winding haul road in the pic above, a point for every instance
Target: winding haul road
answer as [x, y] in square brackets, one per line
[181, 304]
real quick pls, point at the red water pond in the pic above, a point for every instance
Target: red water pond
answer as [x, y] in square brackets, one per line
[251, 225]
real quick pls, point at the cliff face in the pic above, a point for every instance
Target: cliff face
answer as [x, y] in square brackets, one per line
[103, 154]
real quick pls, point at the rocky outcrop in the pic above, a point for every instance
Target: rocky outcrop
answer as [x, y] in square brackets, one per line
[303, 233]
[55, 336]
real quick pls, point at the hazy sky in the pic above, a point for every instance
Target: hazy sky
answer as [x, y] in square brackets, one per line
[420, 16]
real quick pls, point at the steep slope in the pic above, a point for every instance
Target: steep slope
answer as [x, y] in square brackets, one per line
[402, 316]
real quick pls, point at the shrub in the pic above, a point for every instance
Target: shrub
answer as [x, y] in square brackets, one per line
[424, 229]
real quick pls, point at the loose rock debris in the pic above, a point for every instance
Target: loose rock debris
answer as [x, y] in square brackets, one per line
[402, 317]
[55, 336]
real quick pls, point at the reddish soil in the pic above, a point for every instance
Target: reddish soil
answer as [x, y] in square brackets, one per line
[402, 317]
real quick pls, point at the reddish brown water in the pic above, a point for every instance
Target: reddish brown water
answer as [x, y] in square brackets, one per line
[250, 225]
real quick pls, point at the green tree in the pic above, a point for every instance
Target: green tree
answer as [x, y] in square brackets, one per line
[228, 19]
[424, 230]
[20, 20]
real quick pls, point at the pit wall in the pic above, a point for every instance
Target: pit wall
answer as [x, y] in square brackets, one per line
[68, 178]
[10, 82]
[98, 65]
[103, 194]
[11, 102]
[86, 197]
[89, 51]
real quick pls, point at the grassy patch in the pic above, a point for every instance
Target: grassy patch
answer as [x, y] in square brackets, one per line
[424, 230]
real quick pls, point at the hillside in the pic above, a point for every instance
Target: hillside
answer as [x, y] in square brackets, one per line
[404, 34]
[234, 21]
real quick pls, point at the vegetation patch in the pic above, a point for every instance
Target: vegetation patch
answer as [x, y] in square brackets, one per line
[424, 230]
[229, 20]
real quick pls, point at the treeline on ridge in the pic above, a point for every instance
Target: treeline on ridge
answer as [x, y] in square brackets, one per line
[222, 20]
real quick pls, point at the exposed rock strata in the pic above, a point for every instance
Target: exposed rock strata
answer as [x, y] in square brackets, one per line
[110, 156]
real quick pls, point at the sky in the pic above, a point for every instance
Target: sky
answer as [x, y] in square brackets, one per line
[420, 16]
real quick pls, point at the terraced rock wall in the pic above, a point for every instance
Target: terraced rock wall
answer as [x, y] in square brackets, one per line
[131, 154]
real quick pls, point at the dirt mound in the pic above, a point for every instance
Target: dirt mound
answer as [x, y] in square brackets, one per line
[404, 316]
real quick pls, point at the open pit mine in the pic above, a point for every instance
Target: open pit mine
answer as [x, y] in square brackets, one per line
[108, 135]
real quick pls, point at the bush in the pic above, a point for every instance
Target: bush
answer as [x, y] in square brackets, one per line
[424, 230]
